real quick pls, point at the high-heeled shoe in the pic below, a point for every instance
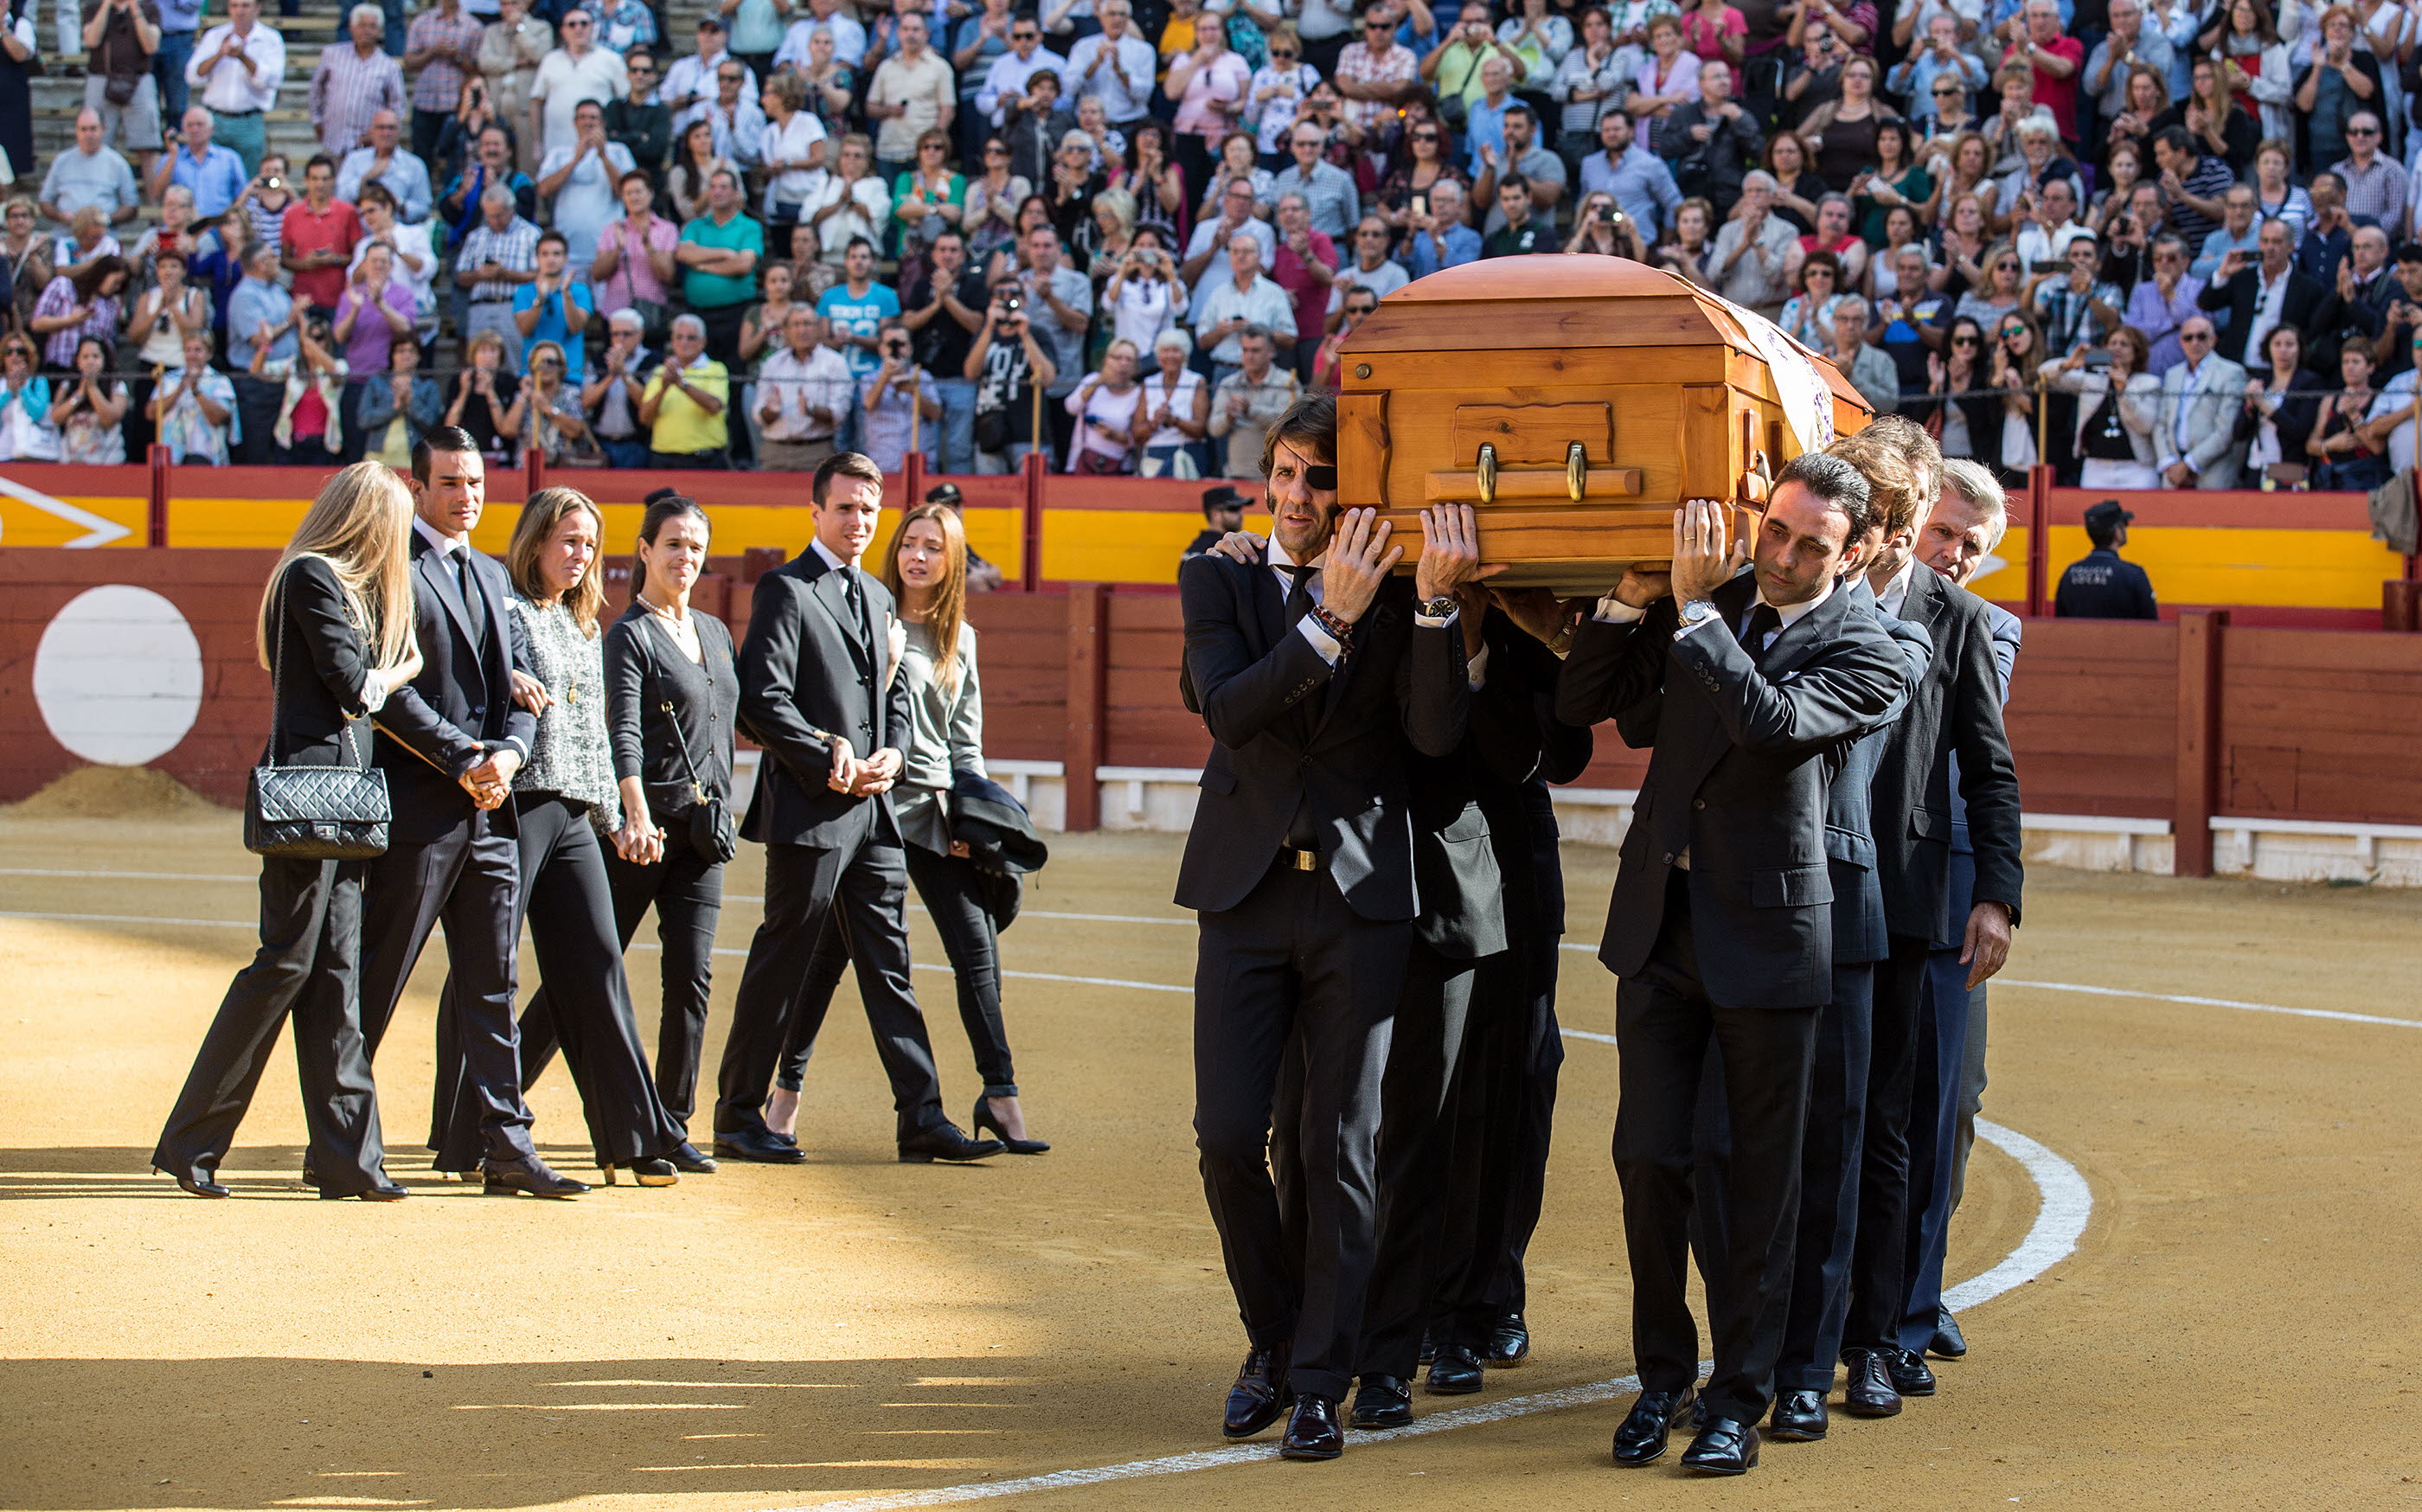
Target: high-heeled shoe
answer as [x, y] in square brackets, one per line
[983, 1121]
[653, 1172]
[199, 1186]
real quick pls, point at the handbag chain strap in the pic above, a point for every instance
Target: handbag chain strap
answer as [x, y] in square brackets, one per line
[680, 738]
[277, 685]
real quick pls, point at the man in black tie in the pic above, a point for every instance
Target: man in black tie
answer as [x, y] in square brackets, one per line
[1316, 674]
[454, 737]
[1721, 924]
[1955, 712]
[812, 692]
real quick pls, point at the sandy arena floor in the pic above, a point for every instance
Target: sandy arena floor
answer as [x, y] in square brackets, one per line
[2234, 1330]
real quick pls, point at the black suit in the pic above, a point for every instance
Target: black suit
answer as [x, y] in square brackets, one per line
[1304, 751]
[2239, 294]
[310, 930]
[447, 859]
[1957, 708]
[1837, 1097]
[1737, 949]
[811, 665]
[1502, 1105]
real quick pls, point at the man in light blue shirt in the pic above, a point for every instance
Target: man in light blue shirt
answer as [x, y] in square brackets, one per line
[1642, 184]
[2237, 232]
[1115, 66]
[1938, 57]
[259, 312]
[1007, 77]
[1440, 239]
[1484, 118]
[385, 161]
[214, 173]
[1326, 189]
[2130, 43]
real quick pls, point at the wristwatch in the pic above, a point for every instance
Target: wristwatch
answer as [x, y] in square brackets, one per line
[1696, 613]
[1441, 608]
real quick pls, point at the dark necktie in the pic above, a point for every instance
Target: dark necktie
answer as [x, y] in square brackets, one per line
[856, 597]
[1299, 598]
[1763, 622]
[1303, 827]
[473, 608]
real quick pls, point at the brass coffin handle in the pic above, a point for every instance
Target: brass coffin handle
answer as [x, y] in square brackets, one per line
[1488, 471]
[1575, 471]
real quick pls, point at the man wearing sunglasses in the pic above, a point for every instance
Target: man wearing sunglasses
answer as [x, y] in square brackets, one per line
[691, 80]
[1319, 675]
[579, 69]
[1006, 80]
[2195, 430]
[1375, 73]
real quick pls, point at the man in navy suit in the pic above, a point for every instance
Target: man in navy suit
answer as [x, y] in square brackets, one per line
[453, 740]
[1965, 525]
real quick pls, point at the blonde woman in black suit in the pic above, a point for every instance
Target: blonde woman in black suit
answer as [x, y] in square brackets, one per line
[337, 615]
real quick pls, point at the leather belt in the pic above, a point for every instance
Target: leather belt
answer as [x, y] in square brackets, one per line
[1291, 860]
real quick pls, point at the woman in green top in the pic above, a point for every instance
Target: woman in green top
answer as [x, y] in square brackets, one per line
[929, 199]
[933, 652]
[1895, 180]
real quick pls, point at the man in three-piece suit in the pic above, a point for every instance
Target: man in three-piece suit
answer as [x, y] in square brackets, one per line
[2194, 427]
[1950, 1088]
[1317, 674]
[1956, 711]
[1721, 925]
[812, 692]
[454, 737]
[2262, 296]
[1903, 472]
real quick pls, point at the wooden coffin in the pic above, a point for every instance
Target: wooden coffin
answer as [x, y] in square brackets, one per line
[1574, 401]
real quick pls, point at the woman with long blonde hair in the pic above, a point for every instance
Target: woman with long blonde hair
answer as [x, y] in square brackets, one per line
[565, 798]
[335, 631]
[933, 652]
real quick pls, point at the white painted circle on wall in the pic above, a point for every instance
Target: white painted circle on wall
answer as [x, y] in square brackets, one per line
[118, 675]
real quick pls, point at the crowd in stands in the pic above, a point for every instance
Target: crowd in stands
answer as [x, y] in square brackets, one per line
[2151, 245]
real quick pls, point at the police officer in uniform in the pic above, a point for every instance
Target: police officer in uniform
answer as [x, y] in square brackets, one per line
[2102, 585]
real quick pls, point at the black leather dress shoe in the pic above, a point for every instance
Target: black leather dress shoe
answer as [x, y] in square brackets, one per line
[688, 1162]
[944, 1143]
[1800, 1417]
[1641, 1441]
[756, 1145]
[1509, 1343]
[1455, 1372]
[386, 1191]
[1948, 1343]
[655, 1170]
[1910, 1376]
[1313, 1432]
[1869, 1393]
[1726, 1446]
[529, 1175]
[1429, 1349]
[1259, 1395]
[1383, 1402]
[196, 1183]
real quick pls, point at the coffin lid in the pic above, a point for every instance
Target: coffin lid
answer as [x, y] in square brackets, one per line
[1565, 301]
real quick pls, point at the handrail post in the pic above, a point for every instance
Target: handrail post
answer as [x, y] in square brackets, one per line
[2038, 542]
[1088, 713]
[1031, 575]
[155, 515]
[2200, 638]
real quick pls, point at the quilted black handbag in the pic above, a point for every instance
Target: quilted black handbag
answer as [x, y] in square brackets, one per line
[710, 832]
[314, 813]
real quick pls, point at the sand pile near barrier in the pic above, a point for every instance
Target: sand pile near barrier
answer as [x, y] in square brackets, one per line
[114, 793]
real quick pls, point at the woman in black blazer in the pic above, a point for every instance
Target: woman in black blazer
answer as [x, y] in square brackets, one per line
[335, 630]
[660, 654]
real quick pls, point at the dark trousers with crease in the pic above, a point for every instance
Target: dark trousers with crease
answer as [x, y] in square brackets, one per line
[1829, 1185]
[1666, 1024]
[466, 881]
[311, 943]
[952, 891]
[1293, 967]
[585, 1004]
[1880, 1255]
[686, 891]
[867, 884]
[1426, 1064]
[1504, 1111]
[1934, 1123]
[1972, 1082]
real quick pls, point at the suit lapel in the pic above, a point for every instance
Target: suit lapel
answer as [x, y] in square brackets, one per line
[1809, 633]
[825, 587]
[436, 572]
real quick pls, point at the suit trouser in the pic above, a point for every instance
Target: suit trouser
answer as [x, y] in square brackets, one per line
[867, 884]
[1971, 1089]
[310, 944]
[686, 891]
[1665, 1025]
[1294, 966]
[952, 891]
[585, 1002]
[1426, 1063]
[467, 881]
[1879, 1256]
[1934, 1137]
[1502, 1109]
[1829, 1185]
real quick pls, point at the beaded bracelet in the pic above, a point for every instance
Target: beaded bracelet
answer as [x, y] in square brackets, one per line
[1339, 630]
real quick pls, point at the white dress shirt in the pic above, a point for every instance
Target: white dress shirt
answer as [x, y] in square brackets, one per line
[1316, 584]
[228, 88]
[449, 549]
[1890, 597]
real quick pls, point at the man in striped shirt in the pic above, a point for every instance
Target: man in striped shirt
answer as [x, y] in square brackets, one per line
[441, 50]
[353, 83]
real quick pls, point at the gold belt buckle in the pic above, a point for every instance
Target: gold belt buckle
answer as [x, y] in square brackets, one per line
[1302, 861]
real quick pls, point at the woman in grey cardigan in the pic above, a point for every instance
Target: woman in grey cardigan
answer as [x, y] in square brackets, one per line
[564, 798]
[934, 651]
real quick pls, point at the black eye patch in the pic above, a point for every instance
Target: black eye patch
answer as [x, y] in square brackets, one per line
[1322, 478]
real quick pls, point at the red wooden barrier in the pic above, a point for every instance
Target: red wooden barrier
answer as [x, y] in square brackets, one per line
[2200, 633]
